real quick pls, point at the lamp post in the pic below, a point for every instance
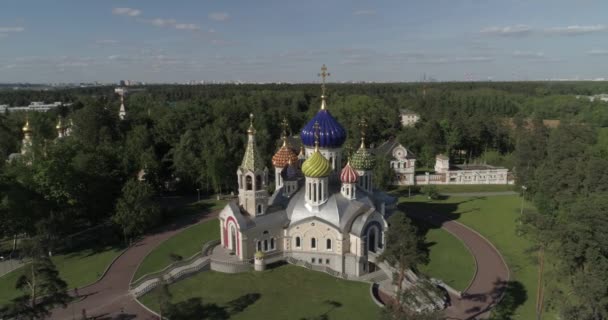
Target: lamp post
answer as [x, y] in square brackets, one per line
[198, 192]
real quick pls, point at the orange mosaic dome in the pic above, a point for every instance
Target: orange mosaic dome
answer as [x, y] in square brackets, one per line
[283, 156]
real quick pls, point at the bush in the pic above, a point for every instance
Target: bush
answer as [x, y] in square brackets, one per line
[431, 192]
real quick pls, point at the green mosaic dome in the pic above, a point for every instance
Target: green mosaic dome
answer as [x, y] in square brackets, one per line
[316, 166]
[363, 160]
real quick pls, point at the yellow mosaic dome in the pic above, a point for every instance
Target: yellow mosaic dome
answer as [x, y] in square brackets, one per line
[316, 166]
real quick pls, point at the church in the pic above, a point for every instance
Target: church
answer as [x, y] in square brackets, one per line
[321, 212]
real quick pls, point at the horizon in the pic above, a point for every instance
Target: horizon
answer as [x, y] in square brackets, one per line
[286, 42]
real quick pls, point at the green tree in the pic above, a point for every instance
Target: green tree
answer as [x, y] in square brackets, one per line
[41, 286]
[384, 175]
[136, 210]
[403, 251]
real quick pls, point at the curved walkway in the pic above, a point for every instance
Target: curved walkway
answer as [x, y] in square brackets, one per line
[491, 277]
[109, 297]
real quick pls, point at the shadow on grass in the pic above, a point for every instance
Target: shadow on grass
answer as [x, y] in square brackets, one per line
[325, 315]
[514, 296]
[194, 308]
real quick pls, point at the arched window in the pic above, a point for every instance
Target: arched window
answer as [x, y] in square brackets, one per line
[313, 243]
[259, 209]
[265, 245]
[249, 183]
[259, 245]
[328, 244]
[298, 242]
[272, 244]
[258, 182]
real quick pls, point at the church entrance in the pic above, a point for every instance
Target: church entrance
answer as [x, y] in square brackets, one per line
[232, 245]
[371, 267]
[371, 240]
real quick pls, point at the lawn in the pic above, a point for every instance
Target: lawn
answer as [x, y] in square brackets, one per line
[184, 244]
[76, 268]
[450, 260]
[496, 219]
[284, 292]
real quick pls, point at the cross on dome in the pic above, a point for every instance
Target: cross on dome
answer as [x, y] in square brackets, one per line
[324, 74]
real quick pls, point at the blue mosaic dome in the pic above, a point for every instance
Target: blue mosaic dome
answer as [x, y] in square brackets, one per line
[331, 133]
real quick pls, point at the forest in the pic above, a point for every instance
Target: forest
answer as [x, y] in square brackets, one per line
[186, 138]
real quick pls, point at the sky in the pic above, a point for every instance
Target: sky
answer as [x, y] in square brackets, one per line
[287, 41]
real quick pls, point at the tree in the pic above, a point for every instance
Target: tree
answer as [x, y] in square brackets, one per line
[163, 296]
[384, 175]
[41, 285]
[403, 251]
[136, 210]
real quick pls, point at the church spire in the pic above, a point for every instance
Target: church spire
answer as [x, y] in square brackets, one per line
[252, 160]
[323, 74]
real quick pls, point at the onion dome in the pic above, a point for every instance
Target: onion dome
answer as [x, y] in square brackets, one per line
[348, 174]
[59, 124]
[26, 128]
[285, 155]
[363, 159]
[316, 165]
[291, 171]
[331, 135]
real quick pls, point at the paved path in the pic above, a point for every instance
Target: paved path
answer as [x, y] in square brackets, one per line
[109, 298]
[9, 265]
[492, 275]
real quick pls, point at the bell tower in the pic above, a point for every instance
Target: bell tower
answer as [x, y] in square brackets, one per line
[252, 177]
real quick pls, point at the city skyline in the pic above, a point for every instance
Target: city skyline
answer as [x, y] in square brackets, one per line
[286, 41]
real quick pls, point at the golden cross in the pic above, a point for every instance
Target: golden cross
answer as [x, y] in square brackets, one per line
[285, 125]
[363, 126]
[324, 74]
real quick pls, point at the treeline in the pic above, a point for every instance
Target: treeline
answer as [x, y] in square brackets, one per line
[565, 173]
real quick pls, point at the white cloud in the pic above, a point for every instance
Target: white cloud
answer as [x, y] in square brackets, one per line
[11, 29]
[162, 22]
[597, 52]
[126, 12]
[508, 31]
[219, 16]
[528, 54]
[576, 30]
[187, 26]
[367, 12]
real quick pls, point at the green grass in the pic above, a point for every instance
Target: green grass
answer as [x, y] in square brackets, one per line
[286, 292]
[184, 244]
[496, 219]
[77, 269]
[205, 205]
[450, 260]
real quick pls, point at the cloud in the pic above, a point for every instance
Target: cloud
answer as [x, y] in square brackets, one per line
[528, 54]
[126, 12]
[367, 12]
[575, 30]
[161, 22]
[187, 26]
[219, 16]
[597, 52]
[508, 31]
[11, 29]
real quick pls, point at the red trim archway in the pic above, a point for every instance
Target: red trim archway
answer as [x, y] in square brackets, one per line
[227, 230]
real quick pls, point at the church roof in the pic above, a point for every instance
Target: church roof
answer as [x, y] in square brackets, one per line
[316, 166]
[348, 174]
[252, 160]
[363, 159]
[387, 147]
[283, 156]
[331, 133]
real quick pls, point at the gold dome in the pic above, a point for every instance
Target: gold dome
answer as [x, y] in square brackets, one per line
[26, 128]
